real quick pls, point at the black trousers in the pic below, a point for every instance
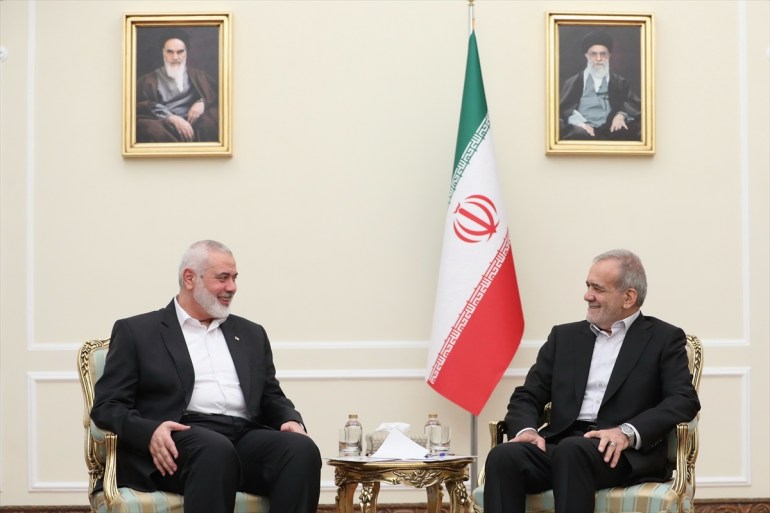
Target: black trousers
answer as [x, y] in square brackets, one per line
[574, 468]
[220, 455]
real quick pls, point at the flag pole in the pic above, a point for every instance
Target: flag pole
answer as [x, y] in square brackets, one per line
[474, 419]
[471, 17]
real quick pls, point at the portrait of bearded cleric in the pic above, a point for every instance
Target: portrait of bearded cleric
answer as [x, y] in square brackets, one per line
[600, 83]
[177, 91]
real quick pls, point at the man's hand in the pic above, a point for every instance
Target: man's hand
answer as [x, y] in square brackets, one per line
[163, 449]
[530, 436]
[183, 128]
[618, 122]
[195, 111]
[293, 427]
[588, 128]
[612, 442]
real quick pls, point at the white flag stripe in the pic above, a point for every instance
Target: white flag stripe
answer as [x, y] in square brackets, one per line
[466, 263]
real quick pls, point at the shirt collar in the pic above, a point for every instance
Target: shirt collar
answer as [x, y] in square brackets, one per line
[625, 323]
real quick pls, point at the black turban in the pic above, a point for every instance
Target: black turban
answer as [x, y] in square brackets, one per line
[174, 33]
[597, 37]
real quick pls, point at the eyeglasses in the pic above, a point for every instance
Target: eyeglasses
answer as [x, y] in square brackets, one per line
[603, 55]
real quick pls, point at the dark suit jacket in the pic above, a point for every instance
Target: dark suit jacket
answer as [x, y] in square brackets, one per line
[148, 379]
[650, 387]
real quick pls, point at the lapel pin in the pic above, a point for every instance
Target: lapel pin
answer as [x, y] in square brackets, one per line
[236, 338]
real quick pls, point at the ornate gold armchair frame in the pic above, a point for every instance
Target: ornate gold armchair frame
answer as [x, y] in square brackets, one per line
[675, 495]
[101, 449]
[98, 443]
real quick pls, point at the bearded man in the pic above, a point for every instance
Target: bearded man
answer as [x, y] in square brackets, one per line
[597, 103]
[191, 392]
[176, 102]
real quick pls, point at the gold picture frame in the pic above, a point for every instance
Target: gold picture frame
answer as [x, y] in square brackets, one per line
[619, 66]
[177, 85]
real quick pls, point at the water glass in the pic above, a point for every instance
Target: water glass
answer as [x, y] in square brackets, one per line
[438, 440]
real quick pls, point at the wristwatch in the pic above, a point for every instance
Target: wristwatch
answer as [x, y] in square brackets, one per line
[629, 432]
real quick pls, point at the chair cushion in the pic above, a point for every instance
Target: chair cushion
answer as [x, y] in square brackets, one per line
[162, 502]
[641, 498]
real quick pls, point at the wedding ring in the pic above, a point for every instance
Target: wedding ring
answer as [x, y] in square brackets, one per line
[612, 444]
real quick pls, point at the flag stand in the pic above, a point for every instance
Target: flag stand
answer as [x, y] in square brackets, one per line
[474, 452]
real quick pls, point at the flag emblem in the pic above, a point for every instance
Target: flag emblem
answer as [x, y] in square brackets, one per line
[475, 219]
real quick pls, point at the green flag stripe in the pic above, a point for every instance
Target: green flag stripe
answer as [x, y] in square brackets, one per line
[474, 106]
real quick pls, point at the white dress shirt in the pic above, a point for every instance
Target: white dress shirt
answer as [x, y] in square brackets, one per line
[217, 388]
[606, 349]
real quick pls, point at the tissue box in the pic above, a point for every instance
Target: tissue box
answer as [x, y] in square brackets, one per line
[374, 440]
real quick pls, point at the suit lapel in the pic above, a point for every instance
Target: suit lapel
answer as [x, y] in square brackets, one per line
[237, 349]
[172, 336]
[633, 344]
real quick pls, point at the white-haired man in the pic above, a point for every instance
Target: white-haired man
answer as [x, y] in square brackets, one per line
[191, 392]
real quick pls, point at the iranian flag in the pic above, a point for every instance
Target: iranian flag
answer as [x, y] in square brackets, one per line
[478, 321]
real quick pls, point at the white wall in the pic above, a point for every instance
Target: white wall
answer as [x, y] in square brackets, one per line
[344, 124]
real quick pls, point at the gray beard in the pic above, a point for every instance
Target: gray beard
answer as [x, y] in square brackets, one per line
[209, 303]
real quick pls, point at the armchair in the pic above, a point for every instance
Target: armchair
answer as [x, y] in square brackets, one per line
[673, 496]
[100, 455]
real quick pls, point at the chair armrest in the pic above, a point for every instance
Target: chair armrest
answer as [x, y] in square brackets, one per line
[496, 435]
[686, 454]
[110, 483]
[496, 432]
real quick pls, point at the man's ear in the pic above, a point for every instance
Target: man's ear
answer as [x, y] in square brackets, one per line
[629, 298]
[188, 278]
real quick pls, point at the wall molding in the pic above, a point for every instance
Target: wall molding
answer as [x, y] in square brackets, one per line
[361, 345]
[36, 484]
[744, 478]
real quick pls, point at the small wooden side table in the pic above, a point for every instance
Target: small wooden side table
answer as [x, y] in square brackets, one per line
[452, 472]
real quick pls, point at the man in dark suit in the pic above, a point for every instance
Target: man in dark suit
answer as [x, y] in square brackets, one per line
[597, 103]
[191, 392]
[618, 383]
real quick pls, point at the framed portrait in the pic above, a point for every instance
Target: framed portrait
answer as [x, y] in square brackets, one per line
[177, 85]
[599, 74]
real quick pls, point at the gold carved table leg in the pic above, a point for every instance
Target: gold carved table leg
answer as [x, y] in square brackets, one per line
[344, 497]
[369, 493]
[458, 496]
[434, 498]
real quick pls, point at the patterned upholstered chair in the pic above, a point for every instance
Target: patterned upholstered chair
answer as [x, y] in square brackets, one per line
[673, 496]
[100, 448]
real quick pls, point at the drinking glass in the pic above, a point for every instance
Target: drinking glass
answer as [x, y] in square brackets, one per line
[439, 438]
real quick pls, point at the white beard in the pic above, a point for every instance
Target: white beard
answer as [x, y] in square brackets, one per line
[599, 72]
[208, 301]
[178, 73]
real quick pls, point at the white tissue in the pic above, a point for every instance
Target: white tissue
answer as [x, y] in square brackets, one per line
[399, 446]
[390, 426]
